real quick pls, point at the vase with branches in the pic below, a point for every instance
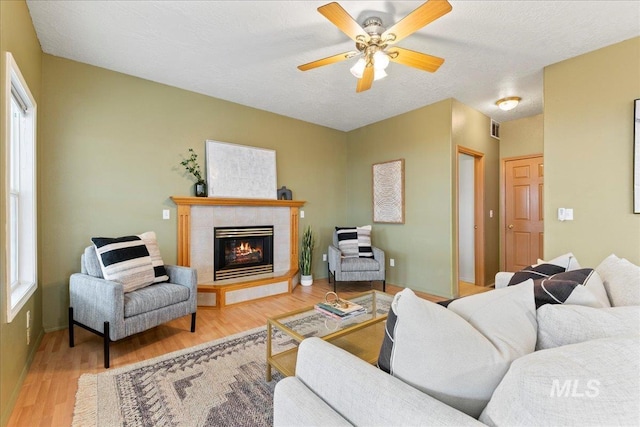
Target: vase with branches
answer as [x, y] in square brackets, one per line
[306, 256]
[192, 166]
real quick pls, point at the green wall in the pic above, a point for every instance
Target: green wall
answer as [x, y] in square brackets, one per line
[421, 246]
[426, 138]
[588, 148]
[111, 157]
[522, 137]
[17, 36]
[471, 130]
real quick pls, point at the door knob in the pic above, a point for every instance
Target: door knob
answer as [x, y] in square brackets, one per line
[510, 226]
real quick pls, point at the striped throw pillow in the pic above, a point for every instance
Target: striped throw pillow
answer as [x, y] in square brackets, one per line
[348, 241]
[125, 260]
[364, 242]
[149, 239]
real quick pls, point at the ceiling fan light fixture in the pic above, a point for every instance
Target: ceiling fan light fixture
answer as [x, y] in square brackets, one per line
[358, 68]
[508, 103]
[380, 60]
[379, 74]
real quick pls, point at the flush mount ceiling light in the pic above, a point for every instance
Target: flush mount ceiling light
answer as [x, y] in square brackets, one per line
[508, 103]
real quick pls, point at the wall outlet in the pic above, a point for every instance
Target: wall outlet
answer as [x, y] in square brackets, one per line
[324, 257]
[166, 214]
[392, 262]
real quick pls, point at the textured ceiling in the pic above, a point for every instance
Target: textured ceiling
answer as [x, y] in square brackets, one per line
[247, 51]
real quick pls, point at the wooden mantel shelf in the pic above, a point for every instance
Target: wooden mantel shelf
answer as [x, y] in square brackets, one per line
[230, 201]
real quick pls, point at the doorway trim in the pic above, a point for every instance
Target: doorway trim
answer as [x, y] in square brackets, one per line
[479, 238]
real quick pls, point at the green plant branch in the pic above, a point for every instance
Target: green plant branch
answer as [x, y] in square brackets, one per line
[191, 165]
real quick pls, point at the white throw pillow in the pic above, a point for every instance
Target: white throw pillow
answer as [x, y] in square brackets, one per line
[594, 383]
[160, 273]
[568, 261]
[560, 325]
[459, 354]
[621, 280]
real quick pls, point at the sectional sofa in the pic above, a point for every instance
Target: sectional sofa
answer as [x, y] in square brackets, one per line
[554, 344]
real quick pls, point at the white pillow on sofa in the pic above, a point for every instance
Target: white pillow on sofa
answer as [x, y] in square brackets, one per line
[594, 383]
[621, 280]
[459, 354]
[560, 325]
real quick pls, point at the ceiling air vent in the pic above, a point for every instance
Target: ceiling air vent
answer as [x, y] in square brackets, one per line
[494, 131]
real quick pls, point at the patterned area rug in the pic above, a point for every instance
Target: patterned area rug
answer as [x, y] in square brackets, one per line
[220, 383]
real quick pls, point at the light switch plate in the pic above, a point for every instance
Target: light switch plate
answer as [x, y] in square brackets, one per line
[166, 214]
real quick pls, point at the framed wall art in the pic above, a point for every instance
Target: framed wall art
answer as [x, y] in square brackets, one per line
[240, 171]
[636, 156]
[388, 192]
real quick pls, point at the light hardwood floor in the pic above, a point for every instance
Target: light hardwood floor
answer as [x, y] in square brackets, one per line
[47, 396]
[466, 289]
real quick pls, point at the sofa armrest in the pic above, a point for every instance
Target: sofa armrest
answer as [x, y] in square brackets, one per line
[96, 301]
[184, 276]
[295, 405]
[378, 255]
[188, 277]
[334, 258]
[365, 395]
[502, 279]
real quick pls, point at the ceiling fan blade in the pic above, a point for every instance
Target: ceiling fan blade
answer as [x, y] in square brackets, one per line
[341, 19]
[428, 12]
[328, 60]
[365, 82]
[414, 59]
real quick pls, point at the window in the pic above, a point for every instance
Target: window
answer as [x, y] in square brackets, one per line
[20, 208]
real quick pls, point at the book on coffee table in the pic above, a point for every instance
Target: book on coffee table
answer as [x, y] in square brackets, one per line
[349, 310]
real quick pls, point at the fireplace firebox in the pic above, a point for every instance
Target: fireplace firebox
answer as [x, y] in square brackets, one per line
[242, 251]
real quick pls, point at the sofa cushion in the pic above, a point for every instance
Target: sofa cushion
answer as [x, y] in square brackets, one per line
[348, 241]
[459, 354]
[535, 272]
[360, 264]
[581, 287]
[591, 383]
[153, 297]
[560, 325]
[567, 262]
[125, 260]
[621, 280]
[364, 242]
[149, 239]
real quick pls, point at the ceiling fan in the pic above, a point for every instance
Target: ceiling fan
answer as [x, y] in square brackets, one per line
[375, 44]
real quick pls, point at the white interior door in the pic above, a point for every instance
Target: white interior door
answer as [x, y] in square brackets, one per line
[466, 218]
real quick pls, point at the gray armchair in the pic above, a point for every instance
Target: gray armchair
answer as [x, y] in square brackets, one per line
[355, 269]
[102, 307]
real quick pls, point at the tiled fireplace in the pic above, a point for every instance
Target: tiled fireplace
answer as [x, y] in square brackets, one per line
[256, 253]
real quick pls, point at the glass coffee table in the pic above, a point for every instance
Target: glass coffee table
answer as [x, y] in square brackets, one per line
[360, 335]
